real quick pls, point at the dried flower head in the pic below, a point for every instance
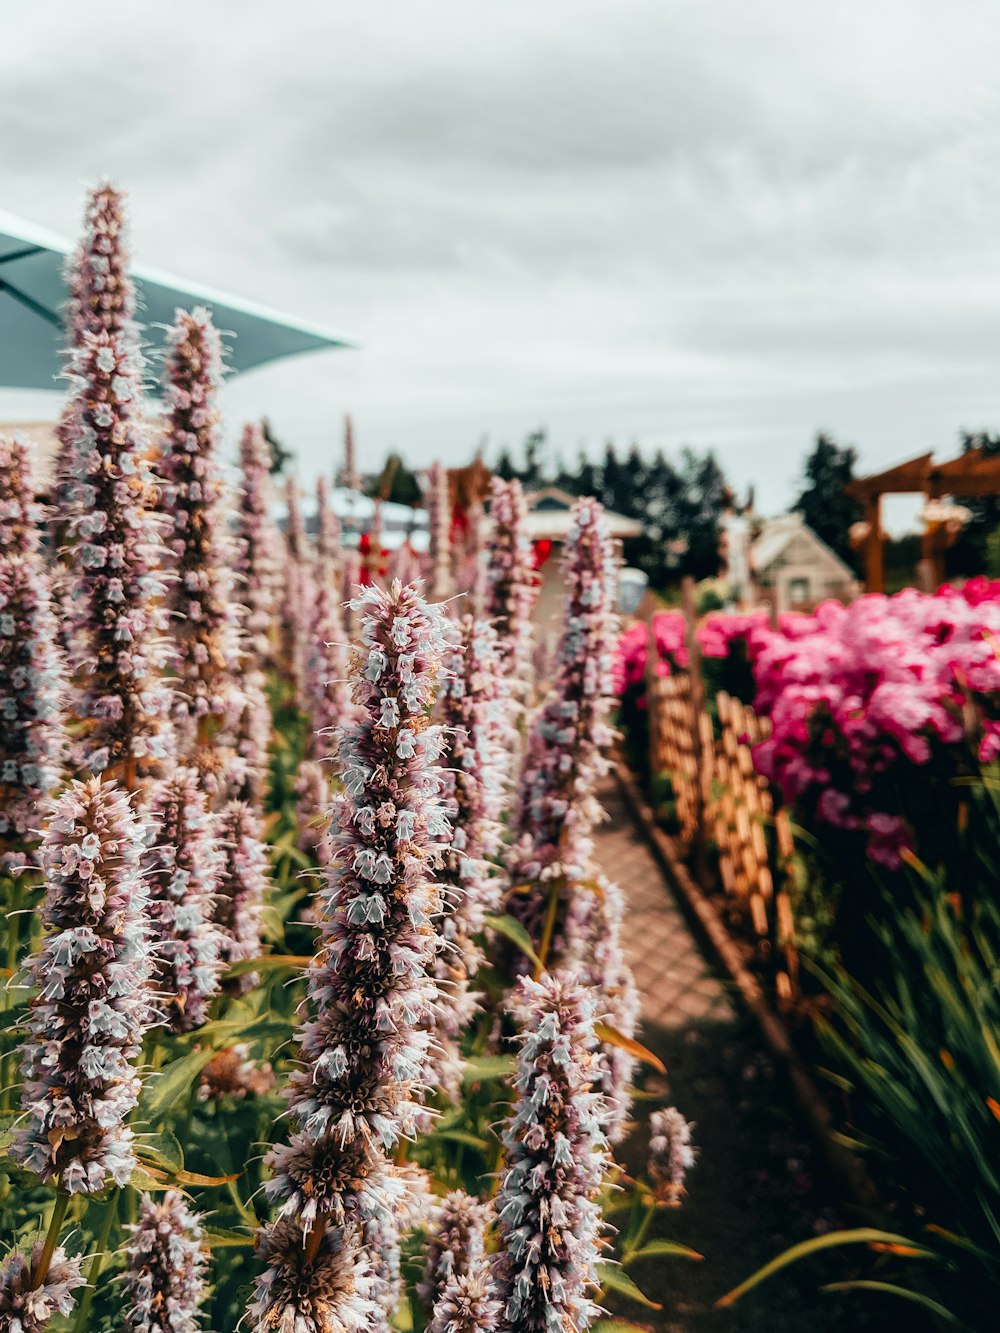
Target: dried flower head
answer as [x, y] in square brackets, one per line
[467, 1304]
[27, 1308]
[32, 696]
[91, 1010]
[164, 1278]
[203, 595]
[232, 1073]
[671, 1154]
[555, 1159]
[455, 1244]
[182, 873]
[320, 1289]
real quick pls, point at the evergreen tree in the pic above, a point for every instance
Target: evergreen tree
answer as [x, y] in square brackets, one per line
[823, 503]
[701, 501]
[504, 467]
[280, 455]
[396, 483]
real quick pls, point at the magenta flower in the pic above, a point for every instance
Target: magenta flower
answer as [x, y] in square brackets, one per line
[456, 1244]
[91, 1010]
[164, 1278]
[671, 1155]
[27, 1308]
[241, 886]
[32, 698]
[203, 596]
[511, 582]
[116, 589]
[258, 561]
[183, 869]
[554, 1163]
[20, 513]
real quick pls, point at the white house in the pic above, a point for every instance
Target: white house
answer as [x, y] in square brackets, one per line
[795, 568]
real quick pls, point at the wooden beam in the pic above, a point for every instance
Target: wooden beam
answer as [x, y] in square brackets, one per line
[904, 477]
[874, 555]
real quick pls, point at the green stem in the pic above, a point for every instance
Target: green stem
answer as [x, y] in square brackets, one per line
[13, 947]
[555, 893]
[51, 1240]
[97, 1262]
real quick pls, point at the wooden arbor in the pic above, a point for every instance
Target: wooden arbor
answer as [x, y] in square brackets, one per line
[971, 474]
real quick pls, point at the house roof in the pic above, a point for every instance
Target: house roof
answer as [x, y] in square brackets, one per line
[778, 533]
[550, 516]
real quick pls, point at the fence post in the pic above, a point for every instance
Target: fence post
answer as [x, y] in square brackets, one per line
[697, 684]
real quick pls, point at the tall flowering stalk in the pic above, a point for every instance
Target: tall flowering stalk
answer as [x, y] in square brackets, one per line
[20, 513]
[557, 807]
[671, 1155]
[257, 538]
[364, 1046]
[299, 590]
[328, 532]
[164, 1279]
[350, 477]
[511, 582]
[595, 955]
[28, 1306]
[555, 1156]
[115, 589]
[456, 1244]
[92, 1009]
[471, 577]
[204, 599]
[183, 869]
[32, 698]
[101, 301]
[439, 525]
[241, 884]
[326, 696]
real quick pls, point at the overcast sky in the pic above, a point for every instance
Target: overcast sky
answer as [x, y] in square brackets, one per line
[710, 222]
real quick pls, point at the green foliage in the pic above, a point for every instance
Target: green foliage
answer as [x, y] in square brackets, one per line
[822, 501]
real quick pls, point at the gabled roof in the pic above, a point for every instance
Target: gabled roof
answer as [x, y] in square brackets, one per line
[550, 516]
[778, 533]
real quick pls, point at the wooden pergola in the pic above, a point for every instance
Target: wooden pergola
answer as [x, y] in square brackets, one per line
[971, 474]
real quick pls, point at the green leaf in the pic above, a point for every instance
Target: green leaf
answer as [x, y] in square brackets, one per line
[880, 1240]
[483, 1067]
[618, 1326]
[904, 1293]
[616, 1279]
[511, 929]
[160, 1150]
[462, 1136]
[664, 1247]
[172, 1085]
[612, 1037]
[220, 1239]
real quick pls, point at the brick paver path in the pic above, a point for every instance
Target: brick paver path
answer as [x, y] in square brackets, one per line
[670, 970]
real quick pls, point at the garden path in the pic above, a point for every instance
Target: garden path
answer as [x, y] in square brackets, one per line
[759, 1185]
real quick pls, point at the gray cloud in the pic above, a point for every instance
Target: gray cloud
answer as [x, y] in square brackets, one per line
[723, 224]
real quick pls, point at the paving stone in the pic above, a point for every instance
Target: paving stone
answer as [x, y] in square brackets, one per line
[674, 979]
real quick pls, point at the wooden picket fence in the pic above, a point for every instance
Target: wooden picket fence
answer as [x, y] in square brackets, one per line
[728, 823]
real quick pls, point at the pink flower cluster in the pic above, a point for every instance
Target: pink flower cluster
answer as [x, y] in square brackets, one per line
[856, 694]
[633, 648]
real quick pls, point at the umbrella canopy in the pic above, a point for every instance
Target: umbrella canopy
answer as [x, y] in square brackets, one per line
[33, 293]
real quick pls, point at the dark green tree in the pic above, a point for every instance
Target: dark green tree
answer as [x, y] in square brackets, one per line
[822, 502]
[504, 466]
[971, 554]
[701, 502]
[280, 456]
[396, 483]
